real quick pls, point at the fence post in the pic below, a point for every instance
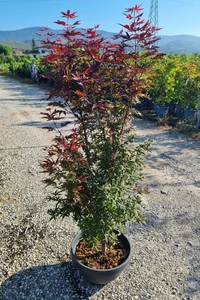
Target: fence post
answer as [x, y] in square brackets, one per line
[198, 114]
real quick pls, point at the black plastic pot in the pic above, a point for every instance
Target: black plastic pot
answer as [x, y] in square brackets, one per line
[179, 111]
[189, 113]
[162, 110]
[100, 276]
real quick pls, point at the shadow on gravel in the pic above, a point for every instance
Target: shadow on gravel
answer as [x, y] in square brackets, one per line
[192, 282]
[193, 287]
[152, 222]
[44, 125]
[59, 281]
[171, 139]
[26, 94]
[21, 148]
[38, 124]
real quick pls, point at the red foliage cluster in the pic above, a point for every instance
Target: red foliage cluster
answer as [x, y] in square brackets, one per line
[98, 81]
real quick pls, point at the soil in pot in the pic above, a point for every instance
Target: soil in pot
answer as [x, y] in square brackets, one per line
[95, 259]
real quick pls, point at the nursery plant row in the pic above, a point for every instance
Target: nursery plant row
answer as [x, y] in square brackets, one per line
[176, 83]
[174, 89]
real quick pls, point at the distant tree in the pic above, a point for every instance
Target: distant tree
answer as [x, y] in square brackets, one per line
[5, 49]
[33, 45]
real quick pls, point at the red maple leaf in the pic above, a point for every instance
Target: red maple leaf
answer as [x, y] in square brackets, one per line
[74, 146]
[50, 34]
[44, 29]
[60, 23]
[79, 93]
[76, 23]
[125, 26]
[91, 32]
[128, 16]
[82, 179]
[68, 14]
[135, 8]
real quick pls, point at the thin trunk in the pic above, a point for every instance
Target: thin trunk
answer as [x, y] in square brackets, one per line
[103, 247]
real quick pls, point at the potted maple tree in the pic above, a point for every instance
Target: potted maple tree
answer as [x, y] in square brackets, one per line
[96, 168]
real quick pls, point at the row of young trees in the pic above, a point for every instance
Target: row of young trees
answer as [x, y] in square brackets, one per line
[176, 77]
[177, 80]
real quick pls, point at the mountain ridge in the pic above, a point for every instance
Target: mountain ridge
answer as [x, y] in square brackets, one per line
[168, 43]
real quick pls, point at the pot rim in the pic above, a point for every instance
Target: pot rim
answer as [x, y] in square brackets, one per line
[75, 242]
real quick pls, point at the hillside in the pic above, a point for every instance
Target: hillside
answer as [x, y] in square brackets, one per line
[177, 44]
[180, 44]
[22, 35]
[17, 44]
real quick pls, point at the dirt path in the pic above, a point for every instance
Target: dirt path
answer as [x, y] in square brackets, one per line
[166, 259]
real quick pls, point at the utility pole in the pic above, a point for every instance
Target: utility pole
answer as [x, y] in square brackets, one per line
[153, 15]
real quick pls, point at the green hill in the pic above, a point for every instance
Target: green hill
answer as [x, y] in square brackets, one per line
[17, 44]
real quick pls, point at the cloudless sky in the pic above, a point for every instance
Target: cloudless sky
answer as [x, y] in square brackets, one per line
[175, 16]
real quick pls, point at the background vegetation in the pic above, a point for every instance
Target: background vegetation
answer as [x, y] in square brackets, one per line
[176, 77]
[177, 80]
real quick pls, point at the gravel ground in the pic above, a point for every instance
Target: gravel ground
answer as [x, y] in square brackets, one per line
[35, 262]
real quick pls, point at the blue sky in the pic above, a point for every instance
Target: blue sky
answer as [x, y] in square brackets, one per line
[175, 16]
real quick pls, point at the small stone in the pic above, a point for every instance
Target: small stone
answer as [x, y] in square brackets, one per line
[163, 192]
[194, 243]
[190, 243]
[32, 171]
[173, 293]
